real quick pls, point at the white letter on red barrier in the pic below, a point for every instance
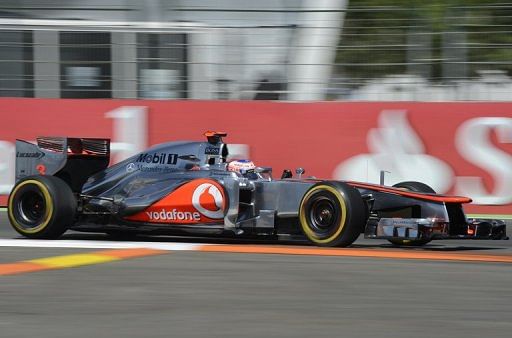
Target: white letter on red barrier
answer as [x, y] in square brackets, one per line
[473, 141]
[130, 131]
[6, 167]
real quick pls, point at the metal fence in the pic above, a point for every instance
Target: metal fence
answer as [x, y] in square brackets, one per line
[322, 50]
[434, 52]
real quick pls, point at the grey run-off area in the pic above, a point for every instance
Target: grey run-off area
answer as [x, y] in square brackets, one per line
[199, 294]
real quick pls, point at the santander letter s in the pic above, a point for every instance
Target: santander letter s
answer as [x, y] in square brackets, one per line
[473, 142]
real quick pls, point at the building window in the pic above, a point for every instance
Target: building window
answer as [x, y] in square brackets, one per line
[85, 65]
[16, 64]
[162, 65]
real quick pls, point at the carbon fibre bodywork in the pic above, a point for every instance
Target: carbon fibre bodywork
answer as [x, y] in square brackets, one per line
[185, 187]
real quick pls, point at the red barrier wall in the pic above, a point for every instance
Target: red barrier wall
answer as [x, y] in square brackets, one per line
[462, 148]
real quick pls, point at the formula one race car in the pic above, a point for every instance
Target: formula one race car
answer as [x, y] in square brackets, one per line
[189, 188]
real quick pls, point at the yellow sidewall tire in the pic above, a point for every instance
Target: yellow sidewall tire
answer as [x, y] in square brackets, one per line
[48, 212]
[350, 214]
[303, 221]
[58, 215]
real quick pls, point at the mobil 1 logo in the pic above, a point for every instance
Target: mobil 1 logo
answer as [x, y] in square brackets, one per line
[158, 158]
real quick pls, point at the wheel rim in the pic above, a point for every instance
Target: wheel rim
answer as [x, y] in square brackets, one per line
[31, 208]
[322, 215]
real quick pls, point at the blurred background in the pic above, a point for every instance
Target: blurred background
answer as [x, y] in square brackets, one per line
[346, 89]
[372, 50]
[420, 89]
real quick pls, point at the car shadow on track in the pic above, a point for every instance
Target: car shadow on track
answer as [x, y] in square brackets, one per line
[440, 246]
[431, 247]
[180, 239]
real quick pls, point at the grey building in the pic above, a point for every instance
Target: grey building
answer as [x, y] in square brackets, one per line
[189, 49]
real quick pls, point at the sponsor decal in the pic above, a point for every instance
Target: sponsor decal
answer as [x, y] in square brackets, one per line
[199, 201]
[156, 169]
[131, 167]
[214, 191]
[158, 158]
[212, 151]
[41, 168]
[173, 215]
[35, 154]
[192, 158]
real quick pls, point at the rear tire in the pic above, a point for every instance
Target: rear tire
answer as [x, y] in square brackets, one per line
[41, 207]
[332, 214]
[416, 187]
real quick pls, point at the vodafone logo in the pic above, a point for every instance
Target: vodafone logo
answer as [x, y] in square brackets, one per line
[200, 201]
[208, 191]
[174, 215]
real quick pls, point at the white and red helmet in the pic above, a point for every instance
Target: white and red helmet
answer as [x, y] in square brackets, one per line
[241, 166]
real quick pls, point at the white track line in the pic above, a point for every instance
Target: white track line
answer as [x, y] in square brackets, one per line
[81, 244]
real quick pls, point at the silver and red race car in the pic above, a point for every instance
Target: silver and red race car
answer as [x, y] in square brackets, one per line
[187, 188]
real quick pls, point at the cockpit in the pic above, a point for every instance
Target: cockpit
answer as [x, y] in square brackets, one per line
[217, 155]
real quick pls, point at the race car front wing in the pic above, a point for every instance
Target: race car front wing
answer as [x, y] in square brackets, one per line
[433, 228]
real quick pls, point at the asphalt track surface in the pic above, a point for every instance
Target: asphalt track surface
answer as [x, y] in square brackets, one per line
[229, 294]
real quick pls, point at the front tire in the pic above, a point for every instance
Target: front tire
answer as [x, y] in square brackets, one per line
[332, 214]
[41, 207]
[416, 187]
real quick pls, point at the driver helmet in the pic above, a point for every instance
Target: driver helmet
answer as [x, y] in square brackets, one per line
[241, 166]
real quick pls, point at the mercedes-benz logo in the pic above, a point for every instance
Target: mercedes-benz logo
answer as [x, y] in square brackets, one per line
[131, 167]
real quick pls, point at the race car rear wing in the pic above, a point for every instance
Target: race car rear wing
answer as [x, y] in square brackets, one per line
[69, 158]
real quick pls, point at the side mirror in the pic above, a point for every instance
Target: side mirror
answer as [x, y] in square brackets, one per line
[287, 173]
[265, 172]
